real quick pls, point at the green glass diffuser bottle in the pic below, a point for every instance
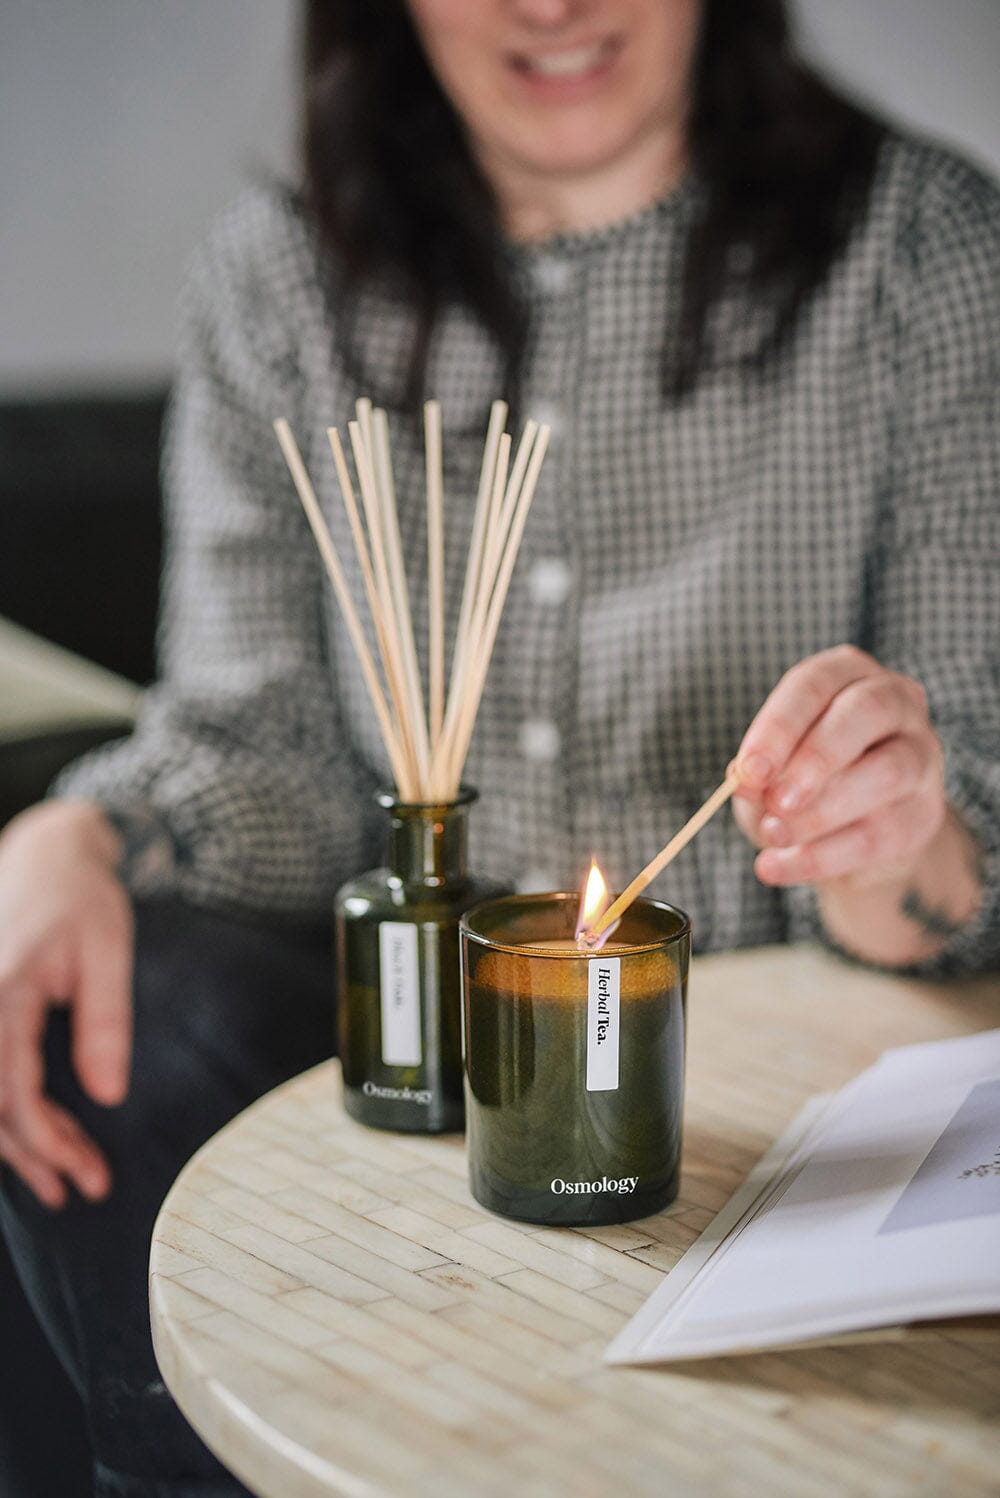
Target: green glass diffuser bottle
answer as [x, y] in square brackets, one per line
[399, 990]
[397, 927]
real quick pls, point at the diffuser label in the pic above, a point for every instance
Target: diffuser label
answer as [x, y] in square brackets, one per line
[399, 981]
[423, 1096]
[603, 990]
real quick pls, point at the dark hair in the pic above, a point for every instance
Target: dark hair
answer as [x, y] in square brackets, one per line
[785, 162]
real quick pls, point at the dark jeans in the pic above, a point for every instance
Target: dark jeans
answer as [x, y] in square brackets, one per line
[223, 1012]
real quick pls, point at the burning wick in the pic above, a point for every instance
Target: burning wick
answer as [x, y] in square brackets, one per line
[593, 903]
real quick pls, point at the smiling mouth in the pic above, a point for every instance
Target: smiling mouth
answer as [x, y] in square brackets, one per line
[575, 62]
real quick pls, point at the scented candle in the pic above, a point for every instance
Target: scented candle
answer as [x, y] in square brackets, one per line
[574, 1060]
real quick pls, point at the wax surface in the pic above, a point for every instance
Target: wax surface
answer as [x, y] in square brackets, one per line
[569, 944]
[531, 972]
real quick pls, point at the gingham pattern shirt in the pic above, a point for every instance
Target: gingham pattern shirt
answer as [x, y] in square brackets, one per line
[677, 560]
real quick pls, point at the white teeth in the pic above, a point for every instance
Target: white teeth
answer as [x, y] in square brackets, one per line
[564, 64]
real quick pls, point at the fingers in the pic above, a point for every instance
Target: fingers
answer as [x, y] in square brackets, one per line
[748, 810]
[889, 837]
[65, 939]
[841, 771]
[90, 1173]
[41, 1134]
[866, 712]
[102, 1017]
[801, 697]
[891, 771]
[35, 1172]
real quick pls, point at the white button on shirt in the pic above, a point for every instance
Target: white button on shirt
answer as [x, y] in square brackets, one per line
[552, 274]
[539, 740]
[548, 415]
[549, 580]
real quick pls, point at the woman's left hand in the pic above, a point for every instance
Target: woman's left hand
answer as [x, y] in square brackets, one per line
[842, 774]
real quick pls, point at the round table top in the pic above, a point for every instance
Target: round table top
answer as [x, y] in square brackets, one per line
[336, 1315]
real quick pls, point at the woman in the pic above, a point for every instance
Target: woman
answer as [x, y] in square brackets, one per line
[766, 330]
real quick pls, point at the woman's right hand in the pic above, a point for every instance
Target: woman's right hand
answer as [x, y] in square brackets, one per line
[66, 939]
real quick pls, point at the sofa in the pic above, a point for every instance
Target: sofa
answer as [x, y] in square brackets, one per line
[79, 569]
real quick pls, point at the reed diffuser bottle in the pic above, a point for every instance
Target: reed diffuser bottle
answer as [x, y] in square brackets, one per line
[399, 982]
[400, 1012]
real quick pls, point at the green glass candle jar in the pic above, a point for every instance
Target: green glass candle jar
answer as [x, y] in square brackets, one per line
[399, 1004]
[574, 1060]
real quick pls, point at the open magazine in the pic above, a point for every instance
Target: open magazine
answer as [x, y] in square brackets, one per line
[879, 1206]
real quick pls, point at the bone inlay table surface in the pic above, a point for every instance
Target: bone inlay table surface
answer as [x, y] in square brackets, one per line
[335, 1315]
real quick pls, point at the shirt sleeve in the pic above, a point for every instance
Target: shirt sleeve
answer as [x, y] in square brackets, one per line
[239, 780]
[934, 583]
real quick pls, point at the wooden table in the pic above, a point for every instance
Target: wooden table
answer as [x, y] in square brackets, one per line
[335, 1314]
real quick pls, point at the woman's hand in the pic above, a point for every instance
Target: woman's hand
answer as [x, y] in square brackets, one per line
[843, 788]
[65, 939]
[842, 773]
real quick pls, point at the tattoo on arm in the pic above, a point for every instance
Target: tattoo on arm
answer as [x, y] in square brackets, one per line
[935, 922]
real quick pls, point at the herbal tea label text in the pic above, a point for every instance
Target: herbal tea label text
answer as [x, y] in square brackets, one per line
[603, 1027]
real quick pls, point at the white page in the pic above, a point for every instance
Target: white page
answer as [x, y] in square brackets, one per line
[741, 1207]
[888, 1211]
[768, 1179]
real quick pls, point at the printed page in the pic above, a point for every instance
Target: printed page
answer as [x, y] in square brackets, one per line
[887, 1211]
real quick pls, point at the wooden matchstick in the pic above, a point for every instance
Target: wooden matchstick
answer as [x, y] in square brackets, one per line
[680, 841]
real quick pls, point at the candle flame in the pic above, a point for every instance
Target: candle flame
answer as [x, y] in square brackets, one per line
[594, 902]
[594, 899]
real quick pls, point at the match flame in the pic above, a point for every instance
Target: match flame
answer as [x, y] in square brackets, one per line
[594, 899]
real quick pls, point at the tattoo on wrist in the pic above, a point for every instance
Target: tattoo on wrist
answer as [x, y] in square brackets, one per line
[935, 922]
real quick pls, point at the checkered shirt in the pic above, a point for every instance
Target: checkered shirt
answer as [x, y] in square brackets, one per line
[679, 557]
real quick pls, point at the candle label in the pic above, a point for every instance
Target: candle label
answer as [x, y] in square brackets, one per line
[399, 982]
[603, 1029]
[625, 1185]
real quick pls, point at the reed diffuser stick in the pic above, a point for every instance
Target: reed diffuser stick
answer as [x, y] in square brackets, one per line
[413, 699]
[473, 694]
[435, 568]
[363, 462]
[473, 568]
[393, 661]
[306, 493]
[516, 479]
[401, 595]
[473, 642]
[656, 866]
[360, 546]
[495, 533]
[427, 752]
